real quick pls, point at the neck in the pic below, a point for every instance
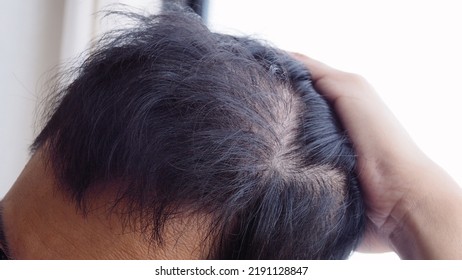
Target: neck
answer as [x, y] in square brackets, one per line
[41, 222]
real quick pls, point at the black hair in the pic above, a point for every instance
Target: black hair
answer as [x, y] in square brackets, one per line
[191, 121]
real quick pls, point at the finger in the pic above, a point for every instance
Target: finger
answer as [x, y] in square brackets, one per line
[317, 69]
[332, 83]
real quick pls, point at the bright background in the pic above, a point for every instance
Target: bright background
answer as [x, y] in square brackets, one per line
[411, 51]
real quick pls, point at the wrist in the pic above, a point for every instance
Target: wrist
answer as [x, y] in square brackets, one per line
[427, 223]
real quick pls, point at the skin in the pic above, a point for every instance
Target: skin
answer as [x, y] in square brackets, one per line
[40, 222]
[413, 206]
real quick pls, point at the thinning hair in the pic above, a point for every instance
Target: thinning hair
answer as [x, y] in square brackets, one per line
[191, 121]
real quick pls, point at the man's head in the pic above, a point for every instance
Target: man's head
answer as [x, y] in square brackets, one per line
[211, 140]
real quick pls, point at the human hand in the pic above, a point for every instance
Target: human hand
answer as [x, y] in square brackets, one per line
[404, 191]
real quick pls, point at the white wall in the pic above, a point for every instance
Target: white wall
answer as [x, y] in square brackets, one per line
[38, 35]
[31, 33]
